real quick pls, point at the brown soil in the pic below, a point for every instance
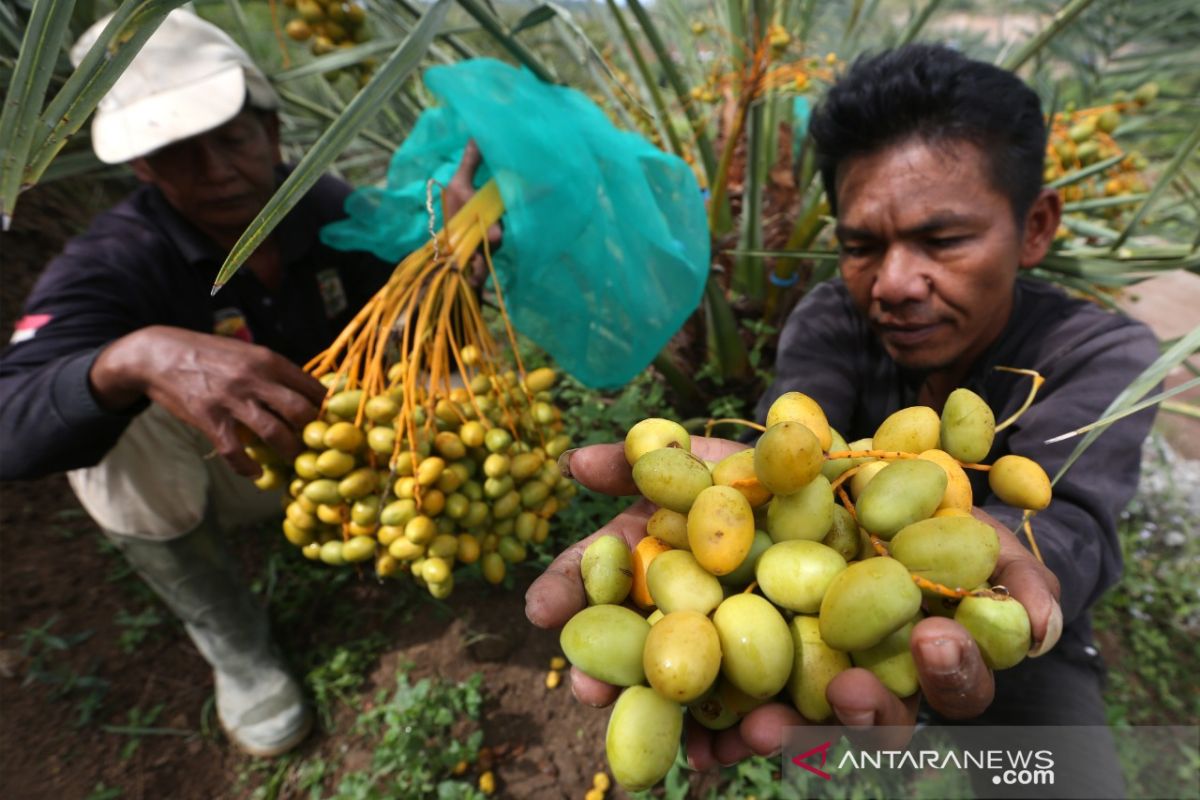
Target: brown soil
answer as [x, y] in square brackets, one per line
[548, 745]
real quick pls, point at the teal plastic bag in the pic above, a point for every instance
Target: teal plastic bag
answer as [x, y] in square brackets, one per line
[606, 245]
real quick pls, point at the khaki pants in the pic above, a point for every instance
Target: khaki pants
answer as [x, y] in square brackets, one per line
[158, 480]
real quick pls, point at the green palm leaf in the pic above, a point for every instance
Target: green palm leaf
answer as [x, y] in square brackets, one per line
[390, 77]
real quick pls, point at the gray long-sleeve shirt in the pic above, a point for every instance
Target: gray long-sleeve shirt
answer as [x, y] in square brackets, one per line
[1087, 356]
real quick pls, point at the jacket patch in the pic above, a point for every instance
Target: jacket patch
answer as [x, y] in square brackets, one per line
[333, 293]
[231, 322]
[27, 327]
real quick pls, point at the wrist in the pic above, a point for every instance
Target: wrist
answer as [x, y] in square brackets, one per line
[116, 379]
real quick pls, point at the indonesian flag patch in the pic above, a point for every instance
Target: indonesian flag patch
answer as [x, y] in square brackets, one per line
[231, 322]
[28, 326]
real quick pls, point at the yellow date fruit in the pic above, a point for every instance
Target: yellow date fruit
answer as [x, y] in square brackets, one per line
[958, 493]
[867, 473]
[654, 434]
[682, 655]
[787, 457]
[670, 526]
[909, 430]
[720, 529]
[737, 470]
[799, 407]
[1020, 482]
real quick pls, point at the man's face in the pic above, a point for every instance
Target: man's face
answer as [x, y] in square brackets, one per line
[218, 180]
[930, 250]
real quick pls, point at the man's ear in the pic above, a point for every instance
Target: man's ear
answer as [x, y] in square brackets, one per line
[1041, 224]
[141, 169]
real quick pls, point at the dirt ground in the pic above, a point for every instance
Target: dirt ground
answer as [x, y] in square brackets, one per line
[53, 570]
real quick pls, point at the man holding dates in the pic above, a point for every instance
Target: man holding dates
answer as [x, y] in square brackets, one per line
[933, 166]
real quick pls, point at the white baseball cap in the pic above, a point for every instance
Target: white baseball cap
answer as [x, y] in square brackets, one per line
[188, 78]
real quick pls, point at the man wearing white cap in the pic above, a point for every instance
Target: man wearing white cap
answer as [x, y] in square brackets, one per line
[124, 373]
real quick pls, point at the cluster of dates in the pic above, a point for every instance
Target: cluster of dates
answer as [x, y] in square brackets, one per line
[754, 583]
[478, 484]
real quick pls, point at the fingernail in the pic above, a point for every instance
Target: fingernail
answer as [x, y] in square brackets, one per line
[1054, 627]
[941, 657]
[564, 463]
[857, 719]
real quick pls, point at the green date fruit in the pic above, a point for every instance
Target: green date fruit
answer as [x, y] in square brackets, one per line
[958, 552]
[891, 661]
[815, 664]
[843, 537]
[671, 478]
[804, 514]
[607, 569]
[795, 575]
[744, 573]
[677, 582]
[756, 647]
[902, 493]
[642, 737]
[967, 426]
[999, 626]
[867, 601]
[606, 642]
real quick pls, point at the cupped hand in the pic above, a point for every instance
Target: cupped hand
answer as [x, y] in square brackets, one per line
[953, 677]
[213, 383]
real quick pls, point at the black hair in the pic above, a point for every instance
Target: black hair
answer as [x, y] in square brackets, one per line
[935, 94]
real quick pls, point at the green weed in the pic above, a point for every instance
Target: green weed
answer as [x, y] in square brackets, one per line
[47, 654]
[417, 734]
[137, 628]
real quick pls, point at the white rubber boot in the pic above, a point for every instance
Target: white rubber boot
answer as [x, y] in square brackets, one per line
[260, 705]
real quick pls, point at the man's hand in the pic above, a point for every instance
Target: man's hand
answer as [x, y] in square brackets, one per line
[951, 671]
[213, 383]
[461, 189]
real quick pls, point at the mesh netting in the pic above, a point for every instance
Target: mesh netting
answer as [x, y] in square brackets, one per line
[606, 246]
